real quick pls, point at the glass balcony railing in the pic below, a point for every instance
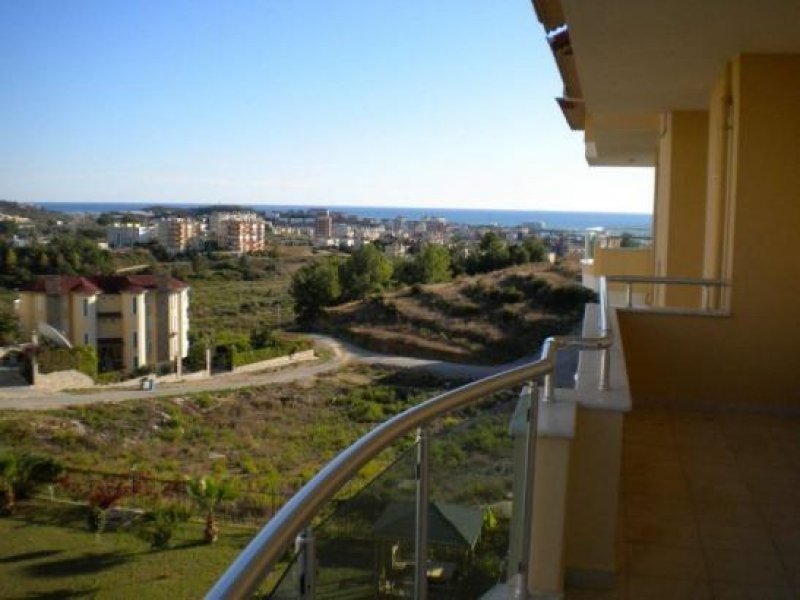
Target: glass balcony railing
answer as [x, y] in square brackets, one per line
[436, 522]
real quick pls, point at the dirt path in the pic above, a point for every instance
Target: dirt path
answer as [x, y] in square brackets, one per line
[343, 353]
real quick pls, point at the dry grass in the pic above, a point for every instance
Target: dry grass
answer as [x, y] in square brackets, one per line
[492, 317]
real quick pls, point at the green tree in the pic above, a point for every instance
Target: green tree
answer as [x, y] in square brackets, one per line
[535, 248]
[494, 252]
[22, 474]
[518, 254]
[367, 270]
[208, 493]
[10, 260]
[314, 286]
[434, 264]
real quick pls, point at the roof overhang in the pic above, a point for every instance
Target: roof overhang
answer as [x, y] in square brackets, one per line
[627, 62]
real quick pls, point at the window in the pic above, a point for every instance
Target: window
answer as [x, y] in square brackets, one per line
[85, 307]
[135, 339]
[134, 305]
[85, 339]
[135, 362]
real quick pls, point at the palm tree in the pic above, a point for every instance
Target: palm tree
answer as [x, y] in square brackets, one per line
[21, 474]
[9, 474]
[207, 494]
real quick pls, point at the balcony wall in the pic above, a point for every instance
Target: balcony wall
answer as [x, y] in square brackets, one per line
[709, 361]
[619, 261]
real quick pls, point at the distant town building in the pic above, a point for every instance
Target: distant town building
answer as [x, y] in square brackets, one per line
[178, 234]
[127, 235]
[131, 320]
[323, 226]
[239, 231]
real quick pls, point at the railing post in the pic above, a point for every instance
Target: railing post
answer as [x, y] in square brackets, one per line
[706, 298]
[523, 568]
[307, 564]
[549, 387]
[421, 539]
[605, 370]
[629, 294]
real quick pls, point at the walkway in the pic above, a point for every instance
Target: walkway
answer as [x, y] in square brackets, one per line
[343, 353]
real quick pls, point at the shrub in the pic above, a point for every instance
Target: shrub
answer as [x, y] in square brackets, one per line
[80, 358]
[161, 523]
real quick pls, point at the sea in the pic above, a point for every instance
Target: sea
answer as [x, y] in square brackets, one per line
[638, 223]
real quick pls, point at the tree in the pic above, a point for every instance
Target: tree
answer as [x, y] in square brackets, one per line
[208, 493]
[366, 271]
[10, 260]
[518, 254]
[434, 264]
[535, 248]
[22, 474]
[314, 286]
[493, 252]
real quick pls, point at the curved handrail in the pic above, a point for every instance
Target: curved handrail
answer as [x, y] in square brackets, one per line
[246, 573]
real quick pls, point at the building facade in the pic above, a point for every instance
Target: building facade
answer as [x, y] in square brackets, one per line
[132, 320]
[240, 232]
[127, 235]
[178, 234]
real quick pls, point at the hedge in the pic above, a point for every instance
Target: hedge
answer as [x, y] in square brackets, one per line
[280, 348]
[80, 358]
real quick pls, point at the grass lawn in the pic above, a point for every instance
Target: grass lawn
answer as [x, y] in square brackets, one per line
[47, 551]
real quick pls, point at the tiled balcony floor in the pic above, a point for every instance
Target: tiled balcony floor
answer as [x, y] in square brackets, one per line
[710, 508]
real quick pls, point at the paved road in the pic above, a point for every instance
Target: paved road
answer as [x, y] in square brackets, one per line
[27, 398]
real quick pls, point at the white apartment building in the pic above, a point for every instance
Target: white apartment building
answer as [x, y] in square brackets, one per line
[126, 235]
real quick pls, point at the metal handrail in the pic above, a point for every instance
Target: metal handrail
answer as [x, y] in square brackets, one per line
[630, 280]
[246, 573]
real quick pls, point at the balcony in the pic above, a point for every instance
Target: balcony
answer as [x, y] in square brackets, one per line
[658, 502]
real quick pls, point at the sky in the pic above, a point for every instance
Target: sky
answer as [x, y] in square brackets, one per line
[445, 103]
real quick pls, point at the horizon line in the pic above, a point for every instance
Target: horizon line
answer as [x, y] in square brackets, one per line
[323, 206]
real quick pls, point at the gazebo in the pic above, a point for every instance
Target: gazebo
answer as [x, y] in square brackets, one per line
[453, 532]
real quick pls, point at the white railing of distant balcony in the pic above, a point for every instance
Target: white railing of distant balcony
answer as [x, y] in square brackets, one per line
[292, 524]
[710, 298]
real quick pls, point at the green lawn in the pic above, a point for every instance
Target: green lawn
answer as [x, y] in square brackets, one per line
[47, 551]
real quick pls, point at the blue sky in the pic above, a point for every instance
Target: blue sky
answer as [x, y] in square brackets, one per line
[359, 102]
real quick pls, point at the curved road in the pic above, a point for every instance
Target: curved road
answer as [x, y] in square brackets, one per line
[27, 398]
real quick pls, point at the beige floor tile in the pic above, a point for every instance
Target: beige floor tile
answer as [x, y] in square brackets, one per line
[675, 531]
[775, 488]
[662, 482]
[756, 566]
[706, 454]
[791, 565]
[615, 594]
[781, 518]
[741, 513]
[649, 588]
[732, 591]
[664, 507]
[733, 536]
[651, 560]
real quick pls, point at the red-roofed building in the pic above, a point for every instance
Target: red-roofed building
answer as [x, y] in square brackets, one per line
[132, 320]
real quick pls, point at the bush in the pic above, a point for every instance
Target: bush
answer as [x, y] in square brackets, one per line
[280, 348]
[109, 377]
[80, 358]
[161, 522]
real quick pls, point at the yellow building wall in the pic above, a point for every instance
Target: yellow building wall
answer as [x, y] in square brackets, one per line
[751, 356]
[680, 207]
[621, 261]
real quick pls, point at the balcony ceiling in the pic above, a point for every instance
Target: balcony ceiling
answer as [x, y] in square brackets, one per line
[652, 55]
[645, 57]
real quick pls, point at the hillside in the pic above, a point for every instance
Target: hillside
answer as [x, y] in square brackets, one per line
[488, 318]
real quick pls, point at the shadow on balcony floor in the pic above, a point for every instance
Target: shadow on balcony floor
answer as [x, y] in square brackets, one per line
[710, 508]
